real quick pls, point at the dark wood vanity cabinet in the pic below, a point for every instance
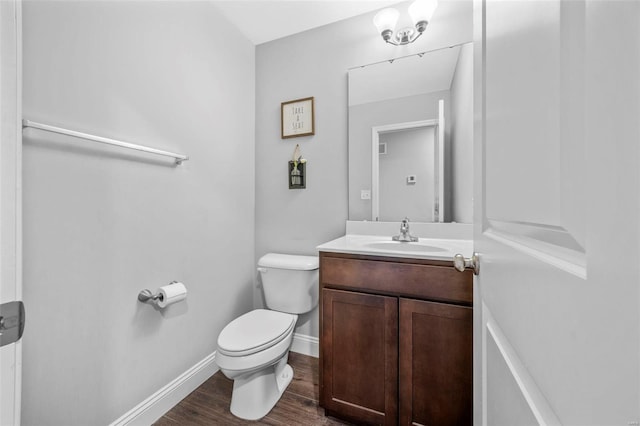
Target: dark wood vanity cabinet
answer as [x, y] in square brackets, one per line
[360, 341]
[435, 363]
[396, 341]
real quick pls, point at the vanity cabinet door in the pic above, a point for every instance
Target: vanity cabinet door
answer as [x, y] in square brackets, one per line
[360, 356]
[436, 363]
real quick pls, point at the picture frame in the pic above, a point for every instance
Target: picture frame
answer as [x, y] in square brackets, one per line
[297, 118]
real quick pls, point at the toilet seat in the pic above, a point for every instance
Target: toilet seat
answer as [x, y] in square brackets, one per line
[255, 331]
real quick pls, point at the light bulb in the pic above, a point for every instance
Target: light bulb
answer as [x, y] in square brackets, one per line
[386, 20]
[422, 10]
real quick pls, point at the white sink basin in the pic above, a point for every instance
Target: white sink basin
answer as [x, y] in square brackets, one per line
[377, 245]
[404, 246]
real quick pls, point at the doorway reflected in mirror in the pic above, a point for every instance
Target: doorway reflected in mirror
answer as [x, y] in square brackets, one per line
[406, 90]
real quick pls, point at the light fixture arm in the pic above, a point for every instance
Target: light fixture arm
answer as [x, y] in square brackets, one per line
[406, 35]
[386, 36]
[420, 11]
[421, 26]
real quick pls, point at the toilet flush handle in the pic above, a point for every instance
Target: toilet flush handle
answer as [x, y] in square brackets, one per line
[262, 270]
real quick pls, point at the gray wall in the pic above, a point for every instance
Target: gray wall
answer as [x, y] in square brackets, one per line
[315, 63]
[461, 134]
[101, 224]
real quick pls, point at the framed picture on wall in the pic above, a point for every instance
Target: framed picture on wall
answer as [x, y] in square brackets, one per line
[296, 118]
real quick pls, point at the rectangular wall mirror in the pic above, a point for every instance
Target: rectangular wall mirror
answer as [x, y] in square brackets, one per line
[411, 138]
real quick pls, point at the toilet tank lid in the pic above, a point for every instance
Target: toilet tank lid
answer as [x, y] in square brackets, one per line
[289, 261]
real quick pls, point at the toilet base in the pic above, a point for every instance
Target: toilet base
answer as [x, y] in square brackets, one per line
[257, 393]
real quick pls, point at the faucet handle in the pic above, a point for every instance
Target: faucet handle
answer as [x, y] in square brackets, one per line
[404, 227]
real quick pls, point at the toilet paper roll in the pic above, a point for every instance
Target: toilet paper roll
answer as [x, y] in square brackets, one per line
[170, 294]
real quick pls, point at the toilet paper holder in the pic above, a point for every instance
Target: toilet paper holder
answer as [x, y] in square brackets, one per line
[147, 296]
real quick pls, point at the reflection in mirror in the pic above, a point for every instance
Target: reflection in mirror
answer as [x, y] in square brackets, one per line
[404, 147]
[410, 138]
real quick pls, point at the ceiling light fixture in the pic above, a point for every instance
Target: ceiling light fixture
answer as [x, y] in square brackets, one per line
[420, 11]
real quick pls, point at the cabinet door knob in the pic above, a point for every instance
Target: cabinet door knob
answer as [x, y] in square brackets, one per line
[461, 263]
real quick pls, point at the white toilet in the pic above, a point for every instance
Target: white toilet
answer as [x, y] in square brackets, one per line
[253, 349]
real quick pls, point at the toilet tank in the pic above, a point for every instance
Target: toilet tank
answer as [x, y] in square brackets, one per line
[290, 282]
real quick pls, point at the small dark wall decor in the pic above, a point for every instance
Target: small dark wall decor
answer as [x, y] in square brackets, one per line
[297, 175]
[297, 118]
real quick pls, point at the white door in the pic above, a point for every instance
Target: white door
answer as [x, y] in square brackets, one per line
[557, 212]
[10, 235]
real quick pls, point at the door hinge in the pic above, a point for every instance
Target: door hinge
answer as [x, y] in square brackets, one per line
[12, 318]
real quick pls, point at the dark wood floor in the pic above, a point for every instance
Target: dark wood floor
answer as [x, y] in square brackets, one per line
[209, 404]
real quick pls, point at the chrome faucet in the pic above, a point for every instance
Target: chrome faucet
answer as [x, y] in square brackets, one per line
[404, 236]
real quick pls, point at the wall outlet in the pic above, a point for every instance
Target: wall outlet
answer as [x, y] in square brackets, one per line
[365, 194]
[411, 179]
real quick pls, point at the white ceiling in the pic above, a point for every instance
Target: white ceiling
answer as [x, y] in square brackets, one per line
[428, 73]
[265, 20]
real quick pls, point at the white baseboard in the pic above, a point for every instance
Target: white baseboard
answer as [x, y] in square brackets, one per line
[306, 345]
[154, 407]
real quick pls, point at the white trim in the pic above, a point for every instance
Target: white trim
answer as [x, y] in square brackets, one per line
[567, 260]
[11, 201]
[439, 206]
[536, 401]
[375, 174]
[480, 400]
[155, 406]
[376, 131]
[18, 207]
[305, 345]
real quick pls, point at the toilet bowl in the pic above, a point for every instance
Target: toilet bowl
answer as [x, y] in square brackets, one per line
[253, 349]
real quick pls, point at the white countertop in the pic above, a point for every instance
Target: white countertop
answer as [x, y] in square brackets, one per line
[382, 245]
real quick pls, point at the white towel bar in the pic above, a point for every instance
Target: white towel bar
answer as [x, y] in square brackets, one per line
[178, 157]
